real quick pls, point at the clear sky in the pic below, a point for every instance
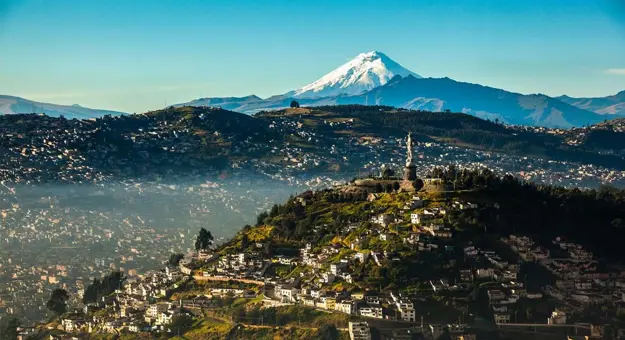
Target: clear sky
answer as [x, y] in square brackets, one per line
[136, 55]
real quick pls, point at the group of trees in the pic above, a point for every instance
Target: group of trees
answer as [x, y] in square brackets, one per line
[99, 288]
[388, 187]
[594, 218]
[204, 240]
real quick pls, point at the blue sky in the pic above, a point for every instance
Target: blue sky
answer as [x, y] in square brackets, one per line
[136, 55]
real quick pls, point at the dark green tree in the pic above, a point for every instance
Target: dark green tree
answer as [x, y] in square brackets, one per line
[174, 259]
[260, 219]
[294, 103]
[328, 332]
[244, 241]
[418, 184]
[204, 240]
[180, 324]
[275, 211]
[388, 188]
[396, 186]
[58, 301]
[379, 188]
[387, 173]
[8, 328]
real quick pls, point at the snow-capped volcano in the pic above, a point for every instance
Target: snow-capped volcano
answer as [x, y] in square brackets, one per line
[361, 74]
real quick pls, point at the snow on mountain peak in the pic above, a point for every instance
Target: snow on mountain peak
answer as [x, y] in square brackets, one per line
[363, 73]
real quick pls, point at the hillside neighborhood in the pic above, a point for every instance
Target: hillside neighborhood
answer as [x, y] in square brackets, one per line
[403, 263]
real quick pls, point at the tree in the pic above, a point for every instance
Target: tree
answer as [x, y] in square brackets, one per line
[260, 219]
[396, 186]
[294, 104]
[378, 187]
[174, 259]
[204, 240]
[180, 324]
[107, 285]
[328, 332]
[418, 184]
[275, 211]
[387, 173]
[244, 241]
[58, 301]
[388, 188]
[8, 328]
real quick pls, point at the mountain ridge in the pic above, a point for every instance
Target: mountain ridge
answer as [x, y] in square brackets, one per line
[608, 105]
[481, 101]
[15, 105]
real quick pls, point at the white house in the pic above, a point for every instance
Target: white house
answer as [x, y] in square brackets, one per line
[371, 311]
[345, 306]
[415, 218]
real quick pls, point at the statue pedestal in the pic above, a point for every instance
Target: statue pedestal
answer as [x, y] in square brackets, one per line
[410, 172]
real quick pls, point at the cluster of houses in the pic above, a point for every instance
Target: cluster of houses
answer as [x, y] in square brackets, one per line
[368, 304]
[581, 281]
[139, 305]
[361, 330]
[504, 289]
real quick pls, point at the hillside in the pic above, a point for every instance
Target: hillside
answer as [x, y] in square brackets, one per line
[435, 260]
[312, 141]
[447, 127]
[322, 218]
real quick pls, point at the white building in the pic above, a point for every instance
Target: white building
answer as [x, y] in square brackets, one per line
[154, 310]
[415, 218]
[345, 306]
[383, 219]
[370, 311]
[406, 310]
[359, 331]
[336, 267]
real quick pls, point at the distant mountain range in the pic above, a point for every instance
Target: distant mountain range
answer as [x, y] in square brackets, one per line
[611, 105]
[12, 105]
[375, 79]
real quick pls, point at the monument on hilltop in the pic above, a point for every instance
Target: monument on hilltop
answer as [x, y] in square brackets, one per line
[410, 170]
